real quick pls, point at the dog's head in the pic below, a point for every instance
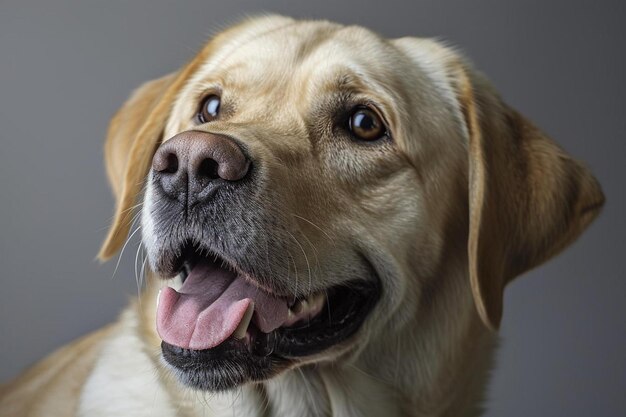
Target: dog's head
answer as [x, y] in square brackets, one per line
[317, 188]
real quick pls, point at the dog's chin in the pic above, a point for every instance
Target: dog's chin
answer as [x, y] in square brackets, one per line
[223, 367]
[319, 327]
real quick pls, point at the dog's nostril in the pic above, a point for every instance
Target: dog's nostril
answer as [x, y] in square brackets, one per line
[171, 165]
[208, 169]
[165, 162]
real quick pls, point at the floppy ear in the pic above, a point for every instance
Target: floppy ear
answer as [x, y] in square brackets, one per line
[134, 133]
[125, 125]
[528, 199]
[137, 129]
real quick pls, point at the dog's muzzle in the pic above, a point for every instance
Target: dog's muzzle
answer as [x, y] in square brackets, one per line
[239, 315]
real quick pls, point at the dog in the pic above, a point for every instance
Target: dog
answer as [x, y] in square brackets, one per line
[330, 220]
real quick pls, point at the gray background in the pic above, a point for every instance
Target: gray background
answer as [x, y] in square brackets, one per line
[65, 68]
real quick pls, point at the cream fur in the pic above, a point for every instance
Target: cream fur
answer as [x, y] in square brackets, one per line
[439, 250]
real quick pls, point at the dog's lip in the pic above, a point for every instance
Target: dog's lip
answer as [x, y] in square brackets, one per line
[191, 253]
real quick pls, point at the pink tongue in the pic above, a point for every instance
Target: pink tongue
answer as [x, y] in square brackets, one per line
[210, 305]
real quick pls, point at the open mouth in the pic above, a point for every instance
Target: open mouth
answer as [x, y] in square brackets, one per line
[221, 329]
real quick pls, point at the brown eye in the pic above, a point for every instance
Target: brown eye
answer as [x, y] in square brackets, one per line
[366, 125]
[210, 109]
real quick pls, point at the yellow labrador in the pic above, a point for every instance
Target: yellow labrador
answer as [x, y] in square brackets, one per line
[330, 219]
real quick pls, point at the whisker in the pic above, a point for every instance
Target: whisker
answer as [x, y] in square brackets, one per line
[314, 225]
[123, 212]
[306, 258]
[267, 256]
[313, 403]
[317, 262]
[295, 267]
[137, 274]
[328, 306]
[367, 374]
[143, 273]
[119, 259]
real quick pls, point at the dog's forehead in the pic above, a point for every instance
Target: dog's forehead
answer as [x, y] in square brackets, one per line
[287, 73]
[301, 57]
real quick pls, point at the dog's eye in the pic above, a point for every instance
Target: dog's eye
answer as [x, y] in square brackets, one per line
[366, 125]
[209, 109]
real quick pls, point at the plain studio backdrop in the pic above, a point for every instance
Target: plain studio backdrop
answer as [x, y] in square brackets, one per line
[65, 67]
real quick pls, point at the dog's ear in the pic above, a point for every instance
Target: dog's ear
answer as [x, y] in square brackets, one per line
[124, 128]
[137, 129]
[528, 199]
[134, 133]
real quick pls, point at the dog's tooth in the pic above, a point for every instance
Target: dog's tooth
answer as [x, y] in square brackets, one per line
[298, 307]
[240, 331]
[305, 308]
[158, 298]
[314, 305]
[317, 300]
[291, 318]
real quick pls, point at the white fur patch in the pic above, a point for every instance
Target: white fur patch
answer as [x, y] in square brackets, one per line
[124, 381]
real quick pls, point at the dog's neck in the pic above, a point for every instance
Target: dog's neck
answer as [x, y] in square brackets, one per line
[387, 382]
[331, 391]
[430, 368]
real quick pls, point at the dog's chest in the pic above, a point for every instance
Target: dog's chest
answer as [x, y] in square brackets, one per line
[126, 381]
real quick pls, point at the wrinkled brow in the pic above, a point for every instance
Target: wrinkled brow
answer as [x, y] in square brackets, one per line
[347, 86]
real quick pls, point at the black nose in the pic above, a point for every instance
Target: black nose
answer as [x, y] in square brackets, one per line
[192, 164]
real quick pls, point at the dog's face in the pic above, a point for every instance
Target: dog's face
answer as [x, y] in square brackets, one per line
[313, 186]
